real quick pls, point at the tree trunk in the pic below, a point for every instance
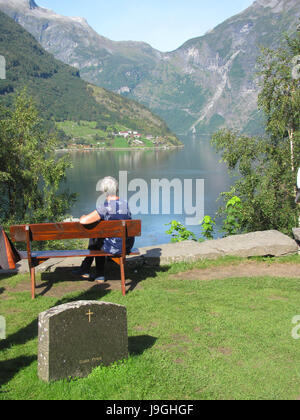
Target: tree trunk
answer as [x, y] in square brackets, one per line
[291, 137]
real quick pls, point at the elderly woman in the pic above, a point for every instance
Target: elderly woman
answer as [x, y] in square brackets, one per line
[113, 209]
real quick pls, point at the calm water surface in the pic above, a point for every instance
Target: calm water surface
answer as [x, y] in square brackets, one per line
[197, 160]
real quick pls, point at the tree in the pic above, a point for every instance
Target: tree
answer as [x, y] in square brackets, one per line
[265, 167]
[280, 94]
[179, 232]
[30, 172]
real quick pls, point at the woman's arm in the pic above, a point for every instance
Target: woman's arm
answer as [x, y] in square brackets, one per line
[90, 218]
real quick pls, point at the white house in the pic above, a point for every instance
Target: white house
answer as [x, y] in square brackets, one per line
[124, 134]
[138, 141]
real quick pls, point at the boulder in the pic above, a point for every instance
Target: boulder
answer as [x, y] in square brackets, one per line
[296, 233]
[255, 244]
[187, 251]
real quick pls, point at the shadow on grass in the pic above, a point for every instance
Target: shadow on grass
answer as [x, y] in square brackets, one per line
[136, 272]
[9, 368]
[137, 345]
[20, 337]
[8, 275]
[96, 292]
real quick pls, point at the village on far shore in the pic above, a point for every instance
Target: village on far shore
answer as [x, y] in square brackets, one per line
[86, 135]
[135, 137]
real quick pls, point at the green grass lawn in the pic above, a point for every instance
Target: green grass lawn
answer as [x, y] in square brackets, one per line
[188, 339]
[120, 142]
[84, 130]
[147, 143]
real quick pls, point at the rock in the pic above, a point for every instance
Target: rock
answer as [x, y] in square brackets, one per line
[296, 233]
[187, 251]
[256, 244]
[253, 244]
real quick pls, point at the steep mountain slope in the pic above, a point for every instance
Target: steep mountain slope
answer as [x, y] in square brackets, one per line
[206, 83]
[217, 71]
[74, 42]
[60, 92]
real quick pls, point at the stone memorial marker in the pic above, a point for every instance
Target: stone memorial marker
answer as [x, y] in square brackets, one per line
[77, 337]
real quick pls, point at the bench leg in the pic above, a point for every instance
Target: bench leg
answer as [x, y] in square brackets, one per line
[122, 269]
[32, 275]
[121, 263]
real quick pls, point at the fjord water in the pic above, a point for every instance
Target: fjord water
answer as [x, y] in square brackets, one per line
[197, 160]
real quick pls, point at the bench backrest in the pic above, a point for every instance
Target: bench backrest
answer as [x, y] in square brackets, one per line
[75, 230]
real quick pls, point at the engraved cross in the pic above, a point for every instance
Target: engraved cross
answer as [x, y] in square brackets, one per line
[89, 314]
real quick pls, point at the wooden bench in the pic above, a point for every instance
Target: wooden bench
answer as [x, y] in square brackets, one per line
[61, 231]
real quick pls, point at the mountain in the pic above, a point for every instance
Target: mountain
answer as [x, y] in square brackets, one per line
[60, 93]
[74, 42]
[206, 83]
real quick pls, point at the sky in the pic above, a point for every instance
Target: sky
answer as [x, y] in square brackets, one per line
[164, 24]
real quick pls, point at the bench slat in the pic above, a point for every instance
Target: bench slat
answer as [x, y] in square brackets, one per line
[75, 230]
[44, 255]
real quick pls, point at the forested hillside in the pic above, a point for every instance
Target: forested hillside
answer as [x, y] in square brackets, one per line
[59, 91]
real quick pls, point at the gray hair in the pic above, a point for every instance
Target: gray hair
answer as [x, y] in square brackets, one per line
[109, 186]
